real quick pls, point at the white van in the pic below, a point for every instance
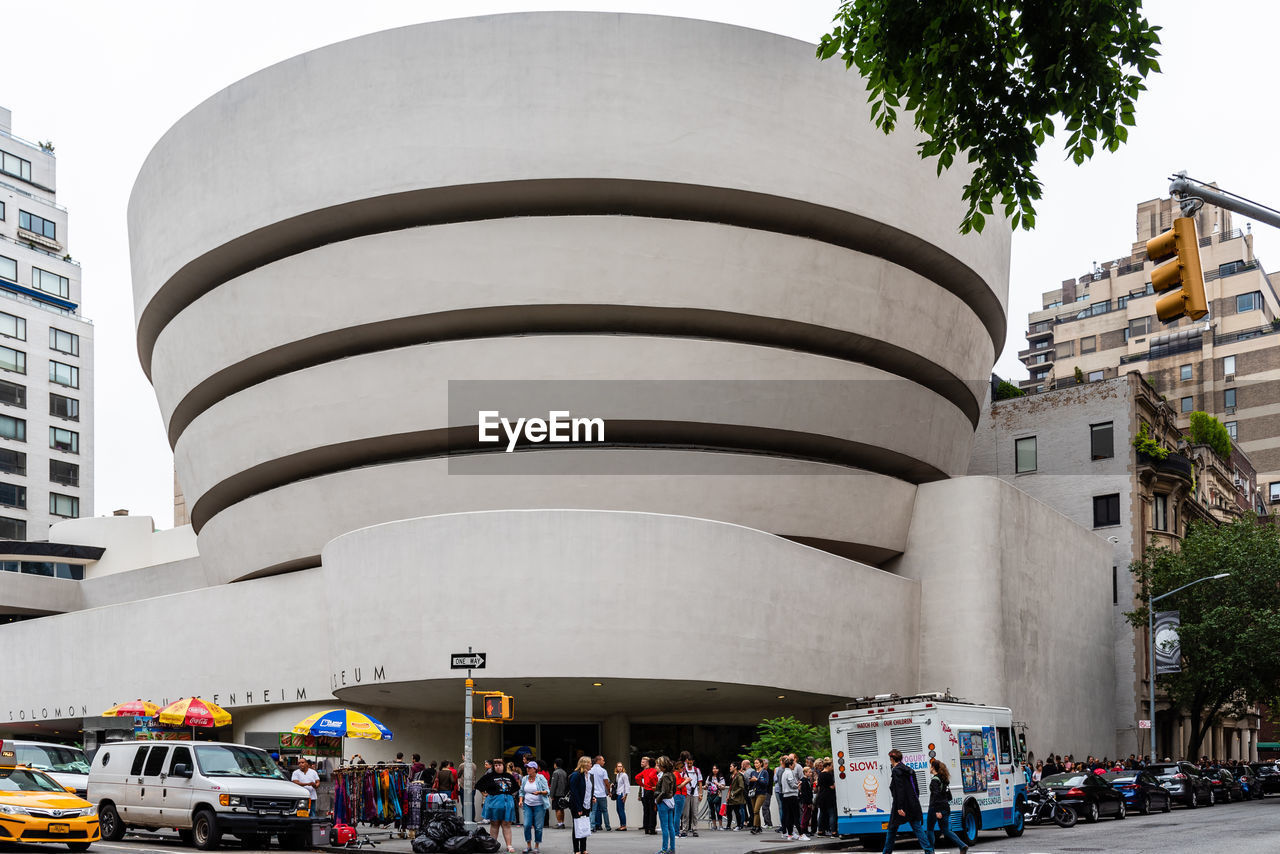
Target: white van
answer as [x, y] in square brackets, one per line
[204, 789]
[67, 765]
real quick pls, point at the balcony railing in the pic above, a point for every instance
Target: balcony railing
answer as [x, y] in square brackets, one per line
[1244, 335]
[1159, 351]
[1175, 464]
[1230, 269]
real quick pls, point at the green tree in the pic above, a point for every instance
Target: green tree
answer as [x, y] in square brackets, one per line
[778, 736]
[986, 81]
[1006, 390]
[1207, 430]
[1230, 658]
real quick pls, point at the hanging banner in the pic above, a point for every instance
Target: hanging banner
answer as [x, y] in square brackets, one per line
[1168, 646]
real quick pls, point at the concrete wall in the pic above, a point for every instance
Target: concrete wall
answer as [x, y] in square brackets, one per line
[1015, 610]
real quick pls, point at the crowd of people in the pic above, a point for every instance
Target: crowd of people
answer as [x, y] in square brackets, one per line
[1058, 764]
[671, 795]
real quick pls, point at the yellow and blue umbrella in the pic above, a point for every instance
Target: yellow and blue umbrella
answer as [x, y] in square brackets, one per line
[343, 723]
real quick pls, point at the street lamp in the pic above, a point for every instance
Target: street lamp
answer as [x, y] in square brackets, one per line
[1151, 647]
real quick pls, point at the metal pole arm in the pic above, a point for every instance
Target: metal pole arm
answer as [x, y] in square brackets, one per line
[1182, 186]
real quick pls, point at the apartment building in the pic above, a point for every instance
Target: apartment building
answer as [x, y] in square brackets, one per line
[1071, 448]
[46, 355]
[1103, 325]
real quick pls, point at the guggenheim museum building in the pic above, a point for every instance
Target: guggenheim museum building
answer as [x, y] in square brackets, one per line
[749, 347]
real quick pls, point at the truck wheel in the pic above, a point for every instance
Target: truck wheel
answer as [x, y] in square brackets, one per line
[204, 832]
[1019, 811]
[970, 822]
[109, 822]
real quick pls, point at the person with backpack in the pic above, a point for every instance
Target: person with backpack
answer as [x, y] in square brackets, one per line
[906, 804]
[940, 804]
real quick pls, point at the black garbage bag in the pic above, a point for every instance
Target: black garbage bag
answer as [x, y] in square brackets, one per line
[440, 826]
[487, 844]
[480, 833]
[425, 845]
[462, 844]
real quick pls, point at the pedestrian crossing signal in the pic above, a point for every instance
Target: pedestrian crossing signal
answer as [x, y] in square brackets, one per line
[499, 707]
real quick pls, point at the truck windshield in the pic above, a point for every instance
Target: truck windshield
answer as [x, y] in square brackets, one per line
[64, 760]
[221, 760]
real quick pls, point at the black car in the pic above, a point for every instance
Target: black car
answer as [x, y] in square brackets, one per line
[1086, 793]
[1269, 774]
[1141, 791]
[1184, 783]
[1226, 788]
[1249, 781]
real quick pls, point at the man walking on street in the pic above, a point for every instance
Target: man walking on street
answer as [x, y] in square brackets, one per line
[906, 804]
[599, 791]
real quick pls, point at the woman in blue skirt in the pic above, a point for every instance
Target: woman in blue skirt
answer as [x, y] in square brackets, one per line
[499, 809]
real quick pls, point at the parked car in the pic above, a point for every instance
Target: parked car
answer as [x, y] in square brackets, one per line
[1249, 782]
[1226, 788]
[67, 765]
[1142, 792]
[1086, 793]
[1184, 783]
[1269, 774]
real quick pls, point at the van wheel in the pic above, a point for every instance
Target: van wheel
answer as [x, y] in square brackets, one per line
[204, 831]
[109, 822]
[970, 821]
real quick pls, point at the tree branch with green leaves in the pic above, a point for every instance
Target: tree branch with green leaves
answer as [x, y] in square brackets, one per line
[991, 81]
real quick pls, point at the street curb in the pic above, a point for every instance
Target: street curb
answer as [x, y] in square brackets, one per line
[825, 845]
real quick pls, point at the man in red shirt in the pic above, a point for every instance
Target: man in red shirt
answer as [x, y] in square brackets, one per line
[647, 779]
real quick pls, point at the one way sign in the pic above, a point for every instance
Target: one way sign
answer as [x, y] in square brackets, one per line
[467, 661]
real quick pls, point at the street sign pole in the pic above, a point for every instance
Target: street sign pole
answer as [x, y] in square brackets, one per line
[468, 764]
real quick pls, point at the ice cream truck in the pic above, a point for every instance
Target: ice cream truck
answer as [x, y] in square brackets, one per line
[977, 743]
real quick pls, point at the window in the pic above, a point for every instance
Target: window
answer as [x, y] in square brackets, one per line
[1096, 376]
[1186, 404]
[137, 761]
[12, 164]
[181, 756]
[64, 407]
[13, 428]
[13, 495]
[64, 505]
[1089, 344]
[1082, 298]
[67, 474]
[1101, 445]
[1121, 302]
[1275, 492]
[1140, 327]
[1040, 345]
[8, 269]
[155, 761]
[64, 440]
[1106, 510]
[37, 224]
[1231, 429]
[12, 529]
[1229, 365]
[1066, 348]
[1248, 302]
[64, 342]
[67, 375]
[13, 462]
[1160, 512]
[1184, 372]
[1, 211]
[50, 283]
[13, 360]
[13, 394]
[1039, 375]
[1024, 454]
[1229, 398]
[1039, 359]
[13, 326]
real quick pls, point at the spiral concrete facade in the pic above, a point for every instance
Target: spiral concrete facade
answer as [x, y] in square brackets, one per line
[689, 230]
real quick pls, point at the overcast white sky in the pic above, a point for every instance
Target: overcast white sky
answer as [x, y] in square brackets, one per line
[103, 81]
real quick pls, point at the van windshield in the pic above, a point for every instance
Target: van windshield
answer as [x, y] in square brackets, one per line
[63, 760]
[222, 760]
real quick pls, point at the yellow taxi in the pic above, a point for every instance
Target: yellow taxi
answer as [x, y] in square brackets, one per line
[35, 808]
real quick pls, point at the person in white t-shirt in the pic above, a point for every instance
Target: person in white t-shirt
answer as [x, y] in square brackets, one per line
[304, 775]
[600, 791]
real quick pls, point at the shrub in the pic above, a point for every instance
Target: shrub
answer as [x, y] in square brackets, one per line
[1006, 390]
[1145, 444]
[1207, 430]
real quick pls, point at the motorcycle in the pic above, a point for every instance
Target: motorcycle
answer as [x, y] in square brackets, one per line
[1043, 806]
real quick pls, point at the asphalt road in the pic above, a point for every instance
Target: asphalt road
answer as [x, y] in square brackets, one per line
[1252, 827]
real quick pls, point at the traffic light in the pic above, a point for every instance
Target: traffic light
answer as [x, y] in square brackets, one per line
[1183, 271]
[499, 707]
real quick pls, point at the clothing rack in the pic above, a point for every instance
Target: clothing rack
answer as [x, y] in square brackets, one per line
[376, 795]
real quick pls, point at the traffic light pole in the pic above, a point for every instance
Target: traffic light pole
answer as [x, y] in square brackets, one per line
[1188, 189]
[468, 763]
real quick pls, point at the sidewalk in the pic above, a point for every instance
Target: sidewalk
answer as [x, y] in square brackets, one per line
[635, 842]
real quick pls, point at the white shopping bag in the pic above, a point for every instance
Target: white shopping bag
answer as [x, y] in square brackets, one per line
[582, 826]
